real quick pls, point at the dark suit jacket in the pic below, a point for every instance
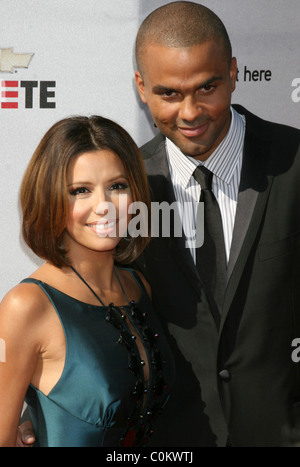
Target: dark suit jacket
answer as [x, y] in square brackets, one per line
[235, 375]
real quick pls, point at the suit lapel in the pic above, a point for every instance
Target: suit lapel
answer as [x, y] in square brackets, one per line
[247, 198]
[253, 196]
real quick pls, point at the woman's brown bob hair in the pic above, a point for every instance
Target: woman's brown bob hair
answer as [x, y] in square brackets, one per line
[44, 193]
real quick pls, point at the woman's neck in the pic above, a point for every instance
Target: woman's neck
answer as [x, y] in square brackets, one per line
[97, 269]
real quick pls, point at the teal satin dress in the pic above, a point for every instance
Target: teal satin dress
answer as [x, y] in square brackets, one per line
[101, 398]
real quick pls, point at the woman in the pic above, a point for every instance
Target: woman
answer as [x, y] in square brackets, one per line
[82, 342]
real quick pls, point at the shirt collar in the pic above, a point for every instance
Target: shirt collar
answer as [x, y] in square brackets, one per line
[222, 161]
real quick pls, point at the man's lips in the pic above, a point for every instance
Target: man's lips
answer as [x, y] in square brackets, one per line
[193, 132]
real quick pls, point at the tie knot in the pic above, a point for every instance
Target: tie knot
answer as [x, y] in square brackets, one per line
[203, 177]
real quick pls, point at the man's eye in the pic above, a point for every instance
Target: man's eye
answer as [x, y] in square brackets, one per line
[169, 94]
[208, 88]
[79, 191]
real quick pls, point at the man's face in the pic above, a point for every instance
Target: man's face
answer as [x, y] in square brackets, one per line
[188, 91]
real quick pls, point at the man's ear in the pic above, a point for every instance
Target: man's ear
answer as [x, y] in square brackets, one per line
[140, 86]
[233, 73]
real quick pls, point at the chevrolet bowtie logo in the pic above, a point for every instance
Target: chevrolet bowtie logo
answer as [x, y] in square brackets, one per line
[9, 60]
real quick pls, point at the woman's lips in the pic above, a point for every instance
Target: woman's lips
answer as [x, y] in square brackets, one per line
[193, 132]
[104, 228]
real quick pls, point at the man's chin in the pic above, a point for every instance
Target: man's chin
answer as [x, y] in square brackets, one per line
[192, 150]
[186, 145]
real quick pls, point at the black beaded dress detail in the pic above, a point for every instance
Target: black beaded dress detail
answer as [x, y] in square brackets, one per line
[148, 399]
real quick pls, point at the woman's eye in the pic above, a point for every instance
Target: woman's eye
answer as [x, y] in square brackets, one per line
[79, 191]
[118, 186]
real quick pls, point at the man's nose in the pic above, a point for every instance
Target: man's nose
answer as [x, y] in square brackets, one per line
[190, 109]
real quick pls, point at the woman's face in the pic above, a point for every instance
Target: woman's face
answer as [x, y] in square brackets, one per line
[99, 197]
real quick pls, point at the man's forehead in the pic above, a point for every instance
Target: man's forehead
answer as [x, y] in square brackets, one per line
[205, 58]
[157, 50]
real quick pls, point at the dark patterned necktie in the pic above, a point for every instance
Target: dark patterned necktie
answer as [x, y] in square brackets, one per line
[211, 256]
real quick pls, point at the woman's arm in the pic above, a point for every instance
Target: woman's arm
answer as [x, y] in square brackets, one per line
[19, 330]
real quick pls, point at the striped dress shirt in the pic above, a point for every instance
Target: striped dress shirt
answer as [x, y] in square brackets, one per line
[225, 163]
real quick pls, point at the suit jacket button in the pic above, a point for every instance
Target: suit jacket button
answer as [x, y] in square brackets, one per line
[225, 375]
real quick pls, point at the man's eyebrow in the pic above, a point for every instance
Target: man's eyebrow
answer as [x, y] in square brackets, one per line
[161, 88]
[213, 79]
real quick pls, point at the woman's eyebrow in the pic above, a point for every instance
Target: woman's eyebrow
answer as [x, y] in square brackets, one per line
[112, 179]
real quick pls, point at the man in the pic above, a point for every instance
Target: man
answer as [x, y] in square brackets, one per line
[231, 320]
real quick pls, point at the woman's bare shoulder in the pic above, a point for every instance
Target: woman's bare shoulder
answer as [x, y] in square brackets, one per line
[29, 296]
[25, 301]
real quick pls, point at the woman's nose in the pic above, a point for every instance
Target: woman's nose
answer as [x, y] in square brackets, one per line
[101, 202]
[102, 208]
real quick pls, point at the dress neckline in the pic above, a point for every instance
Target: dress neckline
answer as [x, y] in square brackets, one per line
[94, 293]
[70, 297]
